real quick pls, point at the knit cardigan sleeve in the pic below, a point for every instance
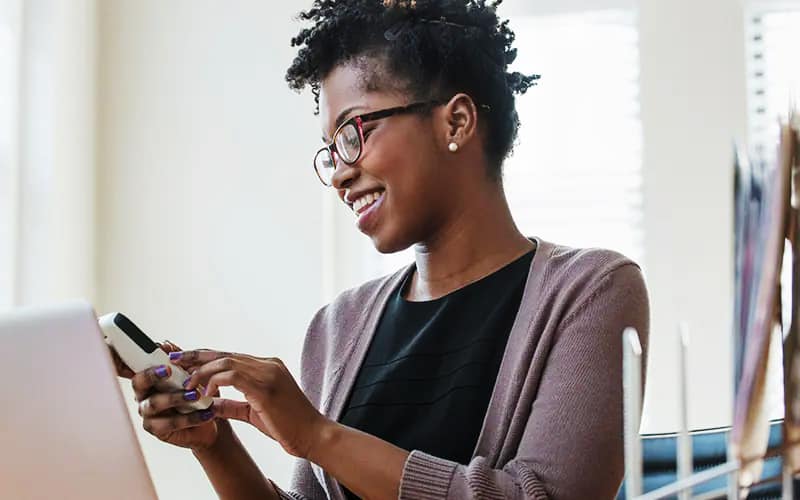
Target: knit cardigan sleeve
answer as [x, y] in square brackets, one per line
[572, 446]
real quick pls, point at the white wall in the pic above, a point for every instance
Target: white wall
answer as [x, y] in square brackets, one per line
[209, 213]
[50, 210]
[693, 108]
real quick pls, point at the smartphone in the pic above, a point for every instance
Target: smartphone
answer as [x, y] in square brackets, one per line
[139, 352]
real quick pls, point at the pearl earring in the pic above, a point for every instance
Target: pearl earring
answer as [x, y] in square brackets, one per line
[453, 147]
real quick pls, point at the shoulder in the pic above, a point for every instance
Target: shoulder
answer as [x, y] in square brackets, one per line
[588, 296]
[564, 263]
[577, 271]
[571, 278]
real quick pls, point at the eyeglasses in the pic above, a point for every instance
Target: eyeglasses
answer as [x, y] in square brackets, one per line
[348, 140]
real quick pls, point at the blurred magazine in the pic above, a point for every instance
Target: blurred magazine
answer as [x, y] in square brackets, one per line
[762, 205]
[748, 198]
[790, 137]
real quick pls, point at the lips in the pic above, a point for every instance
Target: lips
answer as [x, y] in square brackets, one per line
[367, 214]
[363, 202]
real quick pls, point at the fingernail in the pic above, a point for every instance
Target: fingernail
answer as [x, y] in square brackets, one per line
[186, 382]
[206, 414]
[162, 371]
[175, 355]
[191, 396]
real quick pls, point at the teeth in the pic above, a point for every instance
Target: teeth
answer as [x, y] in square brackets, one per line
[365, 200]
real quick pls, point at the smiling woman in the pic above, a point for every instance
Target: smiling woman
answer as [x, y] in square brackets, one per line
[491, 366]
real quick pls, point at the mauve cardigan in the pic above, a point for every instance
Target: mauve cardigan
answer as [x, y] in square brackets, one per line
[553, 428]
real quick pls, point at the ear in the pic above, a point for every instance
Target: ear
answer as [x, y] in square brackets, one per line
[461, 121]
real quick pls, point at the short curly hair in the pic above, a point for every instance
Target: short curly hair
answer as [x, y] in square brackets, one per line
[433, 48]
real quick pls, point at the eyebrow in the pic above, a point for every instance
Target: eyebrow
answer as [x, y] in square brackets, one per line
[341, 118]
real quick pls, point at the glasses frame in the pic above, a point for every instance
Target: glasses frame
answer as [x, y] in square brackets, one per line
[359, 121]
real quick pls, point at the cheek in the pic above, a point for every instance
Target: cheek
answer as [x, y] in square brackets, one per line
[407, 168]
[404, 154]
[412, 183]
[405, 162]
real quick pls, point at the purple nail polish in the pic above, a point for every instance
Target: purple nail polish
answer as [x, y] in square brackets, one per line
[175, 355]
[206, 415]
[191, 396]
[186, 382]
[161, 371]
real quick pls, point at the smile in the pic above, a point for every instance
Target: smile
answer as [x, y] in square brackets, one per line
[365, 202]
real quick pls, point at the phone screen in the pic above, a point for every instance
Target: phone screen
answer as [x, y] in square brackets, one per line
[135, 334]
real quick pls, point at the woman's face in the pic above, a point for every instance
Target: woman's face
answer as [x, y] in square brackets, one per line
[403, 166]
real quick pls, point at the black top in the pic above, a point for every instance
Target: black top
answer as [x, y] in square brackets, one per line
[432, 365]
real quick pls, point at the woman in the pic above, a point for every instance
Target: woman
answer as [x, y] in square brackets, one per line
[490, 367]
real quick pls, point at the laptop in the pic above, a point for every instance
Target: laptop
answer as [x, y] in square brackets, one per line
[65, 431]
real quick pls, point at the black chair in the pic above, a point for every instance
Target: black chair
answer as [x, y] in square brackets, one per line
[709, 449]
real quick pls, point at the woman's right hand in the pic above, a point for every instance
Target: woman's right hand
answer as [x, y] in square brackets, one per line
[197, 430]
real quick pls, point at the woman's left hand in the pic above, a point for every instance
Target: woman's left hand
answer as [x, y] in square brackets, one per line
[274, 403]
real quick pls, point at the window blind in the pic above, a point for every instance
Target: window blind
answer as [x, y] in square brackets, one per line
[773, 71]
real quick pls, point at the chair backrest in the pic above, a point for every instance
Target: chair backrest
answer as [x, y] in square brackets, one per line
[709, 449]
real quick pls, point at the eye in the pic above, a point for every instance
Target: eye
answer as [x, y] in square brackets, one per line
[367, 133]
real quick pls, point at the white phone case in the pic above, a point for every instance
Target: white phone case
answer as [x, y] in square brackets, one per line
[139, 352]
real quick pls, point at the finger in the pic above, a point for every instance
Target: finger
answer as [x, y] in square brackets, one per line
[240, 373]
[228, 408]
[164, 401]
[197, 357]
[164, 425]
[122, 369]
[200, 375]
[237, 410]
[233, 378]
[144, 381]
[167, 346]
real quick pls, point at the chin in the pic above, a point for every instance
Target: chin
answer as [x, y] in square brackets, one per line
[389, 243]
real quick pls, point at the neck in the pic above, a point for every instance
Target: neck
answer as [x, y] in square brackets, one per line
[479, 239]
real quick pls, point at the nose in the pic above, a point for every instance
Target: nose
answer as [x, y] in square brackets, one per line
[344, 175]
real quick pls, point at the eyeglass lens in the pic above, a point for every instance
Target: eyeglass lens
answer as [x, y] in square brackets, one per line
[348, 146]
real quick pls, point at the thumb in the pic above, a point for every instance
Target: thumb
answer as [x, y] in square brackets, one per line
[168, 346]
[228, 408]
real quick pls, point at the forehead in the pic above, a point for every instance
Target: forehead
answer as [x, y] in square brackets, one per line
[351, 88]
[341, 89]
